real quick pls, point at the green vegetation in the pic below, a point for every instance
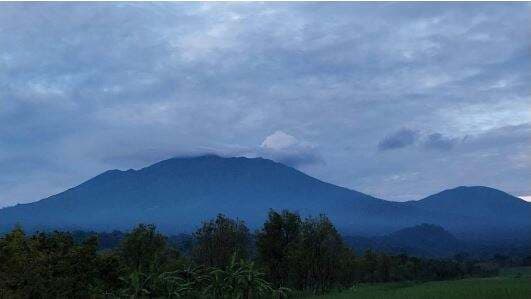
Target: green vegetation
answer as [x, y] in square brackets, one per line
[288, 255]
[516, 272]
[475, 288]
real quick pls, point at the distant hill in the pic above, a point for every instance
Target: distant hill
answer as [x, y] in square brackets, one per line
[489, 211]
[177, 194]
[426, 240]
[478, 202]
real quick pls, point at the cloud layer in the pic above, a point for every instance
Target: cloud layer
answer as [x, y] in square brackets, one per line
[336, 87]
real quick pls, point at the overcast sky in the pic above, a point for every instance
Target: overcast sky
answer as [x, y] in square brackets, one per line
[395, 100]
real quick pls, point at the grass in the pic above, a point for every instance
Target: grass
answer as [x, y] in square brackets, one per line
[513, 283]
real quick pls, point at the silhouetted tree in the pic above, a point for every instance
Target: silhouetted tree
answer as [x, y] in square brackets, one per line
[317, 258]
[305, 255]
[143, 248]
[280, 234]
[218, 240]
[48, 264]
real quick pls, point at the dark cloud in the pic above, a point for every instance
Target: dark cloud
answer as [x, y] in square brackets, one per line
[437, 141]
[86, 87]
[399, 139]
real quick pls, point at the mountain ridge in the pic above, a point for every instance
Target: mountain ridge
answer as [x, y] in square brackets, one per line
[178, 193]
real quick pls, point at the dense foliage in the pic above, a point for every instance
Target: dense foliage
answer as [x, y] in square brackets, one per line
[225, 260]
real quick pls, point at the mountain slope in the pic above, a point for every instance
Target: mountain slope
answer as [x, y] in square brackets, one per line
[177, 194]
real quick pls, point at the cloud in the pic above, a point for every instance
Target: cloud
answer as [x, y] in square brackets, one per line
[279, 141]
[284, 148]
[399, 139]
[408, 137]
[437, 141]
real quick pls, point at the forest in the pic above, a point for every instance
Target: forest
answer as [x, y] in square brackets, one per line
[288, 257]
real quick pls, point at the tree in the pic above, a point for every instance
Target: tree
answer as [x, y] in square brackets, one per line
[13, 261]
[316, 260]
[349, 269]
[369, 263]
[383, 268]
[279, 235]
[218, 240]
[143, 249]
[46, 265]
[111, 271]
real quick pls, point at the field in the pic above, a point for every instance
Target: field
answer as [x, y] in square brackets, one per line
[513, 283]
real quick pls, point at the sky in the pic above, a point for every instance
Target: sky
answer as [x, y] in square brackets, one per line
[397, 100]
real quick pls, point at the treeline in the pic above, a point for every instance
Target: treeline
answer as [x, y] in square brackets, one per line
[288, 255]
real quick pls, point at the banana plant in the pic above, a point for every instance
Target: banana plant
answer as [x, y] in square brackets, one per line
[184, 283]
[216, 287]
[252, 281]
[239, 280]
[136, 284]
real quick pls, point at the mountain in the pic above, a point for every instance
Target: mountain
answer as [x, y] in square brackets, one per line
[477, 202]
[426, 240]
[482, 209]
[177, 194]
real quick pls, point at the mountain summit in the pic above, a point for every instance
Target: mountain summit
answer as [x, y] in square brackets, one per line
[177, 194]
